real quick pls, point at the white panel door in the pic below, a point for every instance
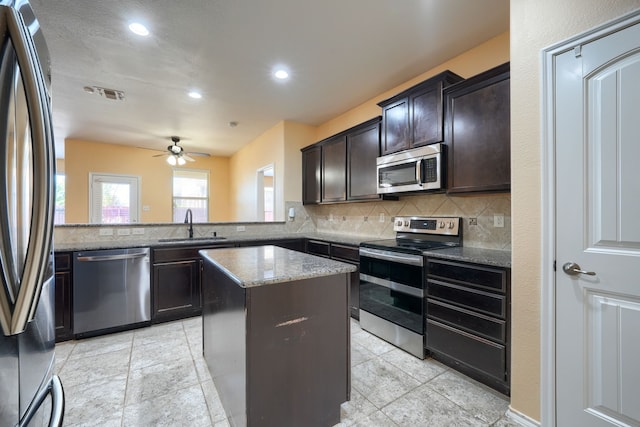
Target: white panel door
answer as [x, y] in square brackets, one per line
[597, 131]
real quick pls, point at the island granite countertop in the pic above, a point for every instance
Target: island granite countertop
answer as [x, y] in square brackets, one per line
[263, 265]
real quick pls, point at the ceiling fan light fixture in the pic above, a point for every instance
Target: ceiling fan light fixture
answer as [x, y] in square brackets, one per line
[181, 161]
[172, 160]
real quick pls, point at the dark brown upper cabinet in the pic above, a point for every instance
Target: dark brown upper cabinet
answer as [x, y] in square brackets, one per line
[311, 175]
[334, 169]
[478, 133]
[342, 167]
[414, 117]
[363, 148]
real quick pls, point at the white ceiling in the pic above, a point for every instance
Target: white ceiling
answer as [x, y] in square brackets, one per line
[340, 53]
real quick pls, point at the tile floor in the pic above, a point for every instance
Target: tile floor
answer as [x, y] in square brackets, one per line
[156, 376]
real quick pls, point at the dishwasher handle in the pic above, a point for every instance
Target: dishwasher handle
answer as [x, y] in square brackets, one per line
[97, 258]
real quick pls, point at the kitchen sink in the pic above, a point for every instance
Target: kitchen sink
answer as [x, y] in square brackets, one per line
[192, 239]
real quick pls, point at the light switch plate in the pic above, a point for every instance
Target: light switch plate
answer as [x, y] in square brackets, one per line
[106, 231]
[381, 217]
[240, 228]
[124, 232]
[498, 220]
[138, 231]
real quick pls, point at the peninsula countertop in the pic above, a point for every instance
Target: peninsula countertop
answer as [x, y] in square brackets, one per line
[263, 265]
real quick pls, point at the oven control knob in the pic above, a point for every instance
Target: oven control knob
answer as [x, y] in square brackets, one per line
[441, 224]
[451, 224]
[399, 223]
[406, 223]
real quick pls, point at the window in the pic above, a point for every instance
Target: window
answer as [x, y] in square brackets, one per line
[190, 191]
[113, 199]
[58, 217]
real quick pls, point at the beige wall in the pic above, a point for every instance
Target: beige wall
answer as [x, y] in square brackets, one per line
[535, 24]
[296, 136]
[279, 146]
[82, 157]
[267, 149]
[483, 57]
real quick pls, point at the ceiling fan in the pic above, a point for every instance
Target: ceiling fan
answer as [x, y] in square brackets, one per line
[176, 154]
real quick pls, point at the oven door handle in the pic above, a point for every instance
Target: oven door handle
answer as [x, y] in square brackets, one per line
[409, 259]
[395, 286]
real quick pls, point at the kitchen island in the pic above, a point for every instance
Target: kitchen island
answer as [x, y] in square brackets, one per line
[276, 335]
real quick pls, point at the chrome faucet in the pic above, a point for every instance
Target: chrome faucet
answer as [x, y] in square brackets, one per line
[188, 219]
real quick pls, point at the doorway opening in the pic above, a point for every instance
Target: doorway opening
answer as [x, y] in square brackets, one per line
[266, 194]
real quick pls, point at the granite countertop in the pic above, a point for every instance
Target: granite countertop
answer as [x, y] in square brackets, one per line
[264, 265]
[499, 258]
[204, 241]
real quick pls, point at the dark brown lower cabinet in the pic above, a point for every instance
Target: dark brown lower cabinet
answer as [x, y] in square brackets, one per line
[176, 290]
[468, 319]
[63, 297]
[351, 255]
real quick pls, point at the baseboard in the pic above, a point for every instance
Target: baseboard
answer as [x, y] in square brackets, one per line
[521, 419]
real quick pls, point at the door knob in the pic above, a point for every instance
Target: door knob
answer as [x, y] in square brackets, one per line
[573, 269]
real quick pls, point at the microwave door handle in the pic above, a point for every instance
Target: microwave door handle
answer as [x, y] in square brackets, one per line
[41, 226]
[419, 172]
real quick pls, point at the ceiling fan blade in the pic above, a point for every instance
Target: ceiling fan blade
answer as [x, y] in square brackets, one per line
[187, 158]
[196, 154]
[160, 155]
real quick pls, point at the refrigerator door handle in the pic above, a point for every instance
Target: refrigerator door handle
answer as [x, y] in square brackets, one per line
[41, 225]
[54, 388]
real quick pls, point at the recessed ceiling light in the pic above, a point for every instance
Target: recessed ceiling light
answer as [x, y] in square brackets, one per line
[281, 74]
[195, 94]
[139, 29]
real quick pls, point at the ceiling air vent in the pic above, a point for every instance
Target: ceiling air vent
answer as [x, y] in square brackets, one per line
[113, 94]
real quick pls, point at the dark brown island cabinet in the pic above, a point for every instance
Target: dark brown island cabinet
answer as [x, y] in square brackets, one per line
[415, 117]
[478, 133]
[345, 253]
[468, 310]
[276, 335]
[63, 296]
[342, 168]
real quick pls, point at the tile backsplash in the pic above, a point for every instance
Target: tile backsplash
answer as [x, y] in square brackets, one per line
[375, 219]
[366, 220]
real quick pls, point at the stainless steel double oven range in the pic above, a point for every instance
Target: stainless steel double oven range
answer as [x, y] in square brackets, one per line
[392, 279]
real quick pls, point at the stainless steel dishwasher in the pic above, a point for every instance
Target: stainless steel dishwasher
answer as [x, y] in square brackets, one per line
[111, 289]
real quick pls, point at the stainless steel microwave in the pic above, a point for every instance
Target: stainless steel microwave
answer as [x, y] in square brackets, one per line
[418, 169]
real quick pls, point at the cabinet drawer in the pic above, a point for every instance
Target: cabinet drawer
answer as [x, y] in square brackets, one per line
[346, 253]
[473, 299]
[484, 326]
[62, 261]
[316, 247]
[476, 352]
[475, 275]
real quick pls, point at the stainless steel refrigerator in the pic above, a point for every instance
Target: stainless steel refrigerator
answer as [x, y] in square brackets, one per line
[30, 393]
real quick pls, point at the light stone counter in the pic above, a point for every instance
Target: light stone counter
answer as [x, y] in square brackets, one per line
[263, 265]
[477, 255]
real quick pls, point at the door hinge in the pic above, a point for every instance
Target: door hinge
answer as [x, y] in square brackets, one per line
[554, 265]
[577, 51]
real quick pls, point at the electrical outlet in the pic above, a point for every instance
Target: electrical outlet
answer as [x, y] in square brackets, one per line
[138, 231]
[473, 221]
[381, 218]
[106, 231]
[498, 220]
[124, 232]
[330, 217]
[240, 228]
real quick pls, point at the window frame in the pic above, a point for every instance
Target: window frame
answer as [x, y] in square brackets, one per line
[206, 173]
